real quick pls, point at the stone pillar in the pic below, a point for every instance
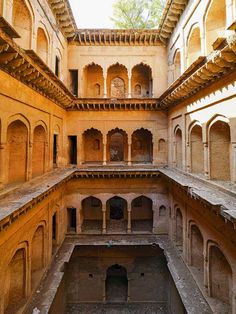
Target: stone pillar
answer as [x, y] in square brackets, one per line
[206, 160]
[129, 150]
[105, 86]
[80, 151]
[29, 161]
[78, 221]
[188, 158]
[174, 154]
[104, 221]
[233, 171]
[46, 157]
[104, 161]
[3, 166]
[129, 85]
[129, 218]
[104, 289]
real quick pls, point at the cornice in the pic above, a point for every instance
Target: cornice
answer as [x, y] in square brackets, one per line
[170, 17]
[109, 104]
[64, 17]
[202, 73]
[116, 37]
[27, 67]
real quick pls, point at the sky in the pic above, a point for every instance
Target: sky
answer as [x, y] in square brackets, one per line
[92, 13]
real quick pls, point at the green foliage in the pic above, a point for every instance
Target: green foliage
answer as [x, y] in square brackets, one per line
[137, 13]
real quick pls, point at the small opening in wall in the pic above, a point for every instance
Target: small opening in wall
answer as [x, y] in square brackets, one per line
[72, 141]
[90, 275]
[142, 274]
[57, 66]
[55, 149]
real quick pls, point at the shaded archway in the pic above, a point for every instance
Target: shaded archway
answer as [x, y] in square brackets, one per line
[17, 142]
[117, 141]
[197, 150]
[194, 45]
[141, 214]
[22, 22]
[179, 228]
[177, 65]
[116, 284]
[141, 81]
[116, 215]
[220, 275]
[37, 256]
[215, 22]
[219, 136]
[39, 148]
[117, 81]
[15, 291]
[93, 146]
[178, 143]
[142, 147]
[42, 45]
[91, 215]
[93, 82]
[196, 251]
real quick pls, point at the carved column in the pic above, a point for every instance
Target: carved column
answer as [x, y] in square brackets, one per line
[3, 166]
[129, 218]
[206, 160]
[129, 85]
[104, 162]
[105, 86]
[78, 221]
[188, 157]
[29, 161]
[104, 222]
[129, 149]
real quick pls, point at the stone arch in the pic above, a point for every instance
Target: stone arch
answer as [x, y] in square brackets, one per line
[93, 82]
[219, 149]
[196, 247]
[116, 208]
[117, 81]
[17, 144]
[15, 280]
[39, 150]
[197, 148]
[116, 284]
[194, 44]
[215, 22]
[23, 21]
[142, 146]
[117, 143]
[93, 145]
[42, 47]
[142, 214]
[177, 64]
[141, 77]
[220, 275]
[91, 217]
[37, 255]
[179, 228]
[179, 149]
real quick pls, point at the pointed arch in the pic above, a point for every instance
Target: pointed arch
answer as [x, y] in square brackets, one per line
[194, 44]
[93, 81]
[23, 21]
[117, 80]
[142, 214]
[117, 143]
[142, 146]
[91, 217]
[141, 80]
[93, 145]
[39, 150]
[42, 47]
[177, 64]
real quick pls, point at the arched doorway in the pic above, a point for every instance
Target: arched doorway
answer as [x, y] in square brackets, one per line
[117, 215]
[93, 146]
[42, 45]
[116, 284]
[117, 143]
[179, 154]
[93, 83]
[142, 214]
[141, 81]
[117, 81]
[194, 45]
[91, 217]
[197, 150]
[142, 147]
[39, 147]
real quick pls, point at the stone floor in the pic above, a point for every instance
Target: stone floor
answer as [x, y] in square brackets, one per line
[117, 308]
